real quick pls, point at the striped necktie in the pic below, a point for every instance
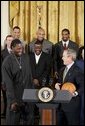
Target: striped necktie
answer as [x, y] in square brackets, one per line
[64, 73]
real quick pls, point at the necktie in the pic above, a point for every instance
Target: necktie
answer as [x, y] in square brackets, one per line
[64, 73]
[65, 46]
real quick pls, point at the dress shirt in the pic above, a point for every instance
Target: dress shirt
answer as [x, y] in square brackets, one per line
[67, 42]
[37, 57]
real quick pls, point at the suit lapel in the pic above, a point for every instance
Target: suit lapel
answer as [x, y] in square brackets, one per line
[34, 60]
[61, 48]
[40, 59]
[70, 44]
[70, 71]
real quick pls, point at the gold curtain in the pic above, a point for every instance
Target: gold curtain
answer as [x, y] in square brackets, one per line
[53, 16]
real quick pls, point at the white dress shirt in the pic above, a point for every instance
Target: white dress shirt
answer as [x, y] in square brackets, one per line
[69, 66]
[37, 57]
[9, 50]
[67, 42]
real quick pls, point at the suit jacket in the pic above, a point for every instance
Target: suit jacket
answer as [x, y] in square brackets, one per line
[75, 76]
[16, 79]
[80, 64]
[46, 46]
[43, 68]
[4, 54]
[58, 62]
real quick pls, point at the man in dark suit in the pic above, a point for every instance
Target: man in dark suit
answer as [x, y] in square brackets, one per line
[71, 110]
[60, 47]
[41, 69]
[80, 64]
[41, 65]
[4, 53]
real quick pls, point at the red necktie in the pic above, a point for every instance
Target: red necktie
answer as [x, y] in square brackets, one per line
[64, 46]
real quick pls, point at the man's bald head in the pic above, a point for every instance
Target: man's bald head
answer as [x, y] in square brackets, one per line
[40, 34]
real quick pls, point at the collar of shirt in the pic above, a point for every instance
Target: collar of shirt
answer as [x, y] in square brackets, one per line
[37, 57]
[67, 42]
[69, 66]
[9, 50]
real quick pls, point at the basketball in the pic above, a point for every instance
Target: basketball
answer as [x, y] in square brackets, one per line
[69, 86]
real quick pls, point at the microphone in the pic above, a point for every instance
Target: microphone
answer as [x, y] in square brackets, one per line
[50, 81]
[44, 82]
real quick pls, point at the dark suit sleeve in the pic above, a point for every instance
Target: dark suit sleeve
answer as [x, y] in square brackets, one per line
[7, 79]
[56, 58]
[1, 66]
[28, 68]
[73, 45]
[4, 54]
[80, 81]
[48, 66]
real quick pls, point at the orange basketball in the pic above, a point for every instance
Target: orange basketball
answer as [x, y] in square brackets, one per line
[68, 86]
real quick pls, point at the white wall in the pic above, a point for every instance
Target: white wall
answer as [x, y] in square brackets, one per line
[5, 29]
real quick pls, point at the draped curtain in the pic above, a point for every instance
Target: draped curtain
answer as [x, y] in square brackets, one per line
[53, 16]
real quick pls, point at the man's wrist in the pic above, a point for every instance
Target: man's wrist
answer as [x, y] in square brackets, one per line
[75, 93]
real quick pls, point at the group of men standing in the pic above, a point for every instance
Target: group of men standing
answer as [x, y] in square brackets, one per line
[24, 70]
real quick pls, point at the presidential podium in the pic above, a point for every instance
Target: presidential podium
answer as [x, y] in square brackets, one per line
[47, 110]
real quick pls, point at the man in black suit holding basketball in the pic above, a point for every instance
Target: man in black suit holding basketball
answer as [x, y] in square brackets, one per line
[71, 73]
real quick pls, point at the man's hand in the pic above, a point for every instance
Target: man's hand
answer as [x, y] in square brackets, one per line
[75, 94]
[36, 82]
[57, 86]
[14, 106]
[3, 87]
[56, 75]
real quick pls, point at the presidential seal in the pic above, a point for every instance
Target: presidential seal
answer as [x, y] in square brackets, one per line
[45, 94]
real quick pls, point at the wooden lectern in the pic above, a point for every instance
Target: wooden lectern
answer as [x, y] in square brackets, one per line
[47, 110]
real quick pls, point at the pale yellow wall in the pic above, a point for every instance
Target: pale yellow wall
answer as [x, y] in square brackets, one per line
[5, 29]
